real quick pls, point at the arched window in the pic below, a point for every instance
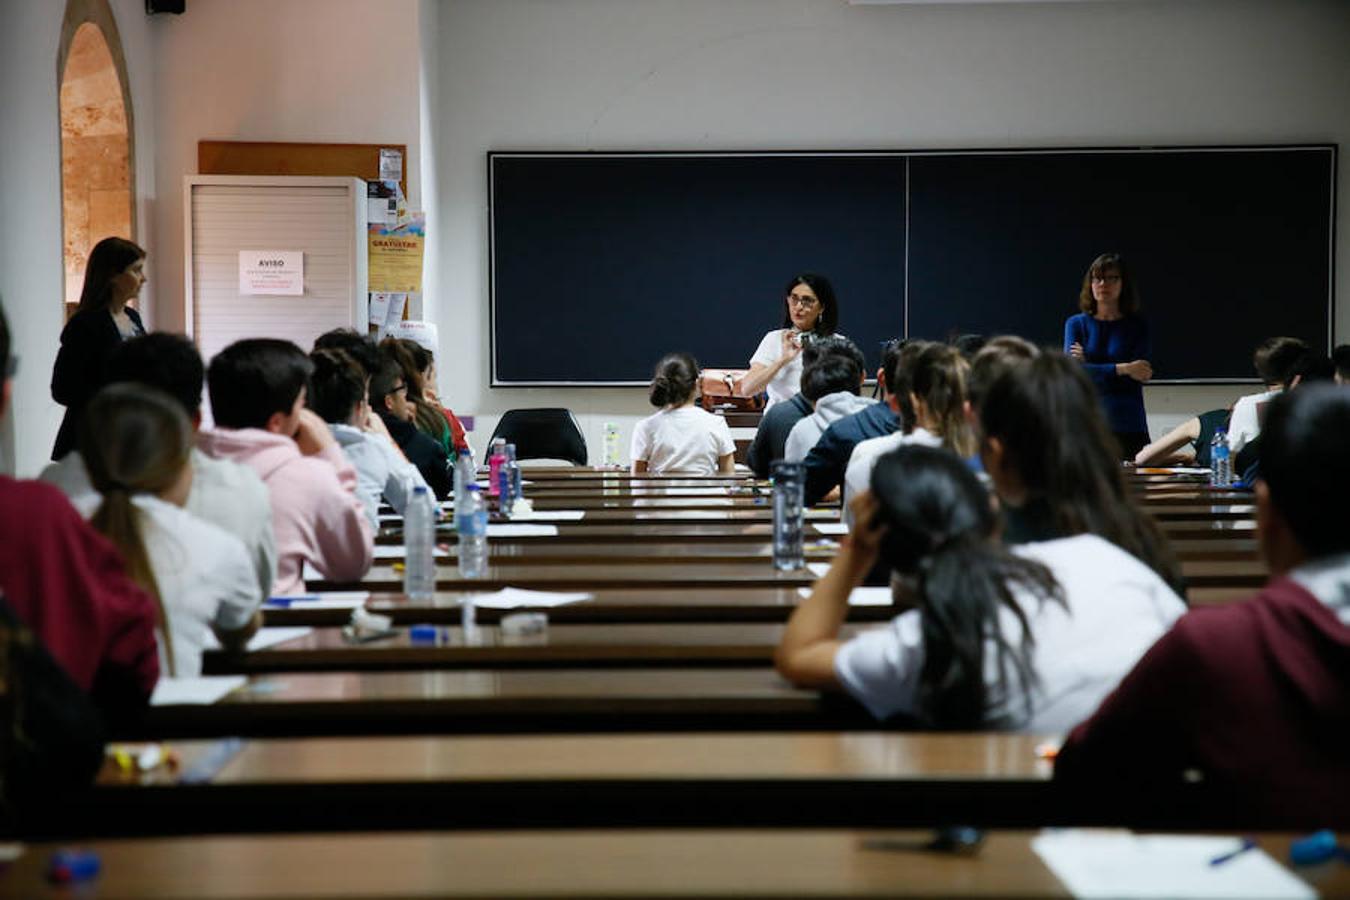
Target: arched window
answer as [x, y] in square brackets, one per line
[98, 182]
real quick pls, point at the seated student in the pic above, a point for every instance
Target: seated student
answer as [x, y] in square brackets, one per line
[257, 389]
[832, 386]
[1279, 362]
[68, 584]
[1025, 638]
[827, 461]
[1252, 699]
[389, 392]
[136, 443]
[778, 420]
[337, 392]
[1046, 445]
[1340, 359]
[1314, 369]
[939, 401]
[431, 419]
[681, 438]
[224, 493]
[1189, 444]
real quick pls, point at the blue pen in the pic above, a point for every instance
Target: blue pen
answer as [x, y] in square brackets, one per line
[1247, 844]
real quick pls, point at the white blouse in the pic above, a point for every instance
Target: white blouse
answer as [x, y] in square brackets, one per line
[688, 441]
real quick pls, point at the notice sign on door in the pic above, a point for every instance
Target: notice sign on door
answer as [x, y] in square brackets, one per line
[271, 273]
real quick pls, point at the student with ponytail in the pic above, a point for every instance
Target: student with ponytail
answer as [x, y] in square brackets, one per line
[136, 443]
[1029, 638]
[681, 437]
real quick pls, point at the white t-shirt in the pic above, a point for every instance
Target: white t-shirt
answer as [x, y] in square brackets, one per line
[858, 475]
[788, 380]
[686, 441]
[1244, 426]
[204, 578]
[1116, 608]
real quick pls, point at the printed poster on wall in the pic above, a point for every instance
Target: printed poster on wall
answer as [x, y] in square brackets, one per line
[271, 273]
[395, 255]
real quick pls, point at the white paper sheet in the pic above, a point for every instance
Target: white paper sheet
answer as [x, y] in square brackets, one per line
[831, 528]
[270, 637]
[1120, 864]
[395, 551]
[392, 517]
[512, 529]
[862, 596]
[516, 598]
[818, 569]
[201, 691]
[321, 600]
[555, 515]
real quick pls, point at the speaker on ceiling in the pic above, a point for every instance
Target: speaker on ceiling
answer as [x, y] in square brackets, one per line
[164, 6]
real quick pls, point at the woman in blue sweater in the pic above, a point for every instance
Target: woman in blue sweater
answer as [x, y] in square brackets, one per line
[1111, 340]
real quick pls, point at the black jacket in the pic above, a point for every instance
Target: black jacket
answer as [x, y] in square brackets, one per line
[87, 341]
[424, 452]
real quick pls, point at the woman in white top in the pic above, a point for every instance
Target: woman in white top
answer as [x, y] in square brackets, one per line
[681, 438]
[136, 443]
[1029, 638]
[811, 311]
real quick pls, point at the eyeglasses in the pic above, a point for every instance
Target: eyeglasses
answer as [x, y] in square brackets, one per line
[801, 301]
[1105, 279]
[400, 388]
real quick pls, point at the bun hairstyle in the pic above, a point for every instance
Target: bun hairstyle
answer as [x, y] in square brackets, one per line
[675, 379]
[134, 440]
[940, 532]
[109, 258]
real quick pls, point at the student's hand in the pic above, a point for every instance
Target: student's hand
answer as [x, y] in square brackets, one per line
[1076, 351]
[313, 435]
[863, 544]
[1140, 370]
[375, 425]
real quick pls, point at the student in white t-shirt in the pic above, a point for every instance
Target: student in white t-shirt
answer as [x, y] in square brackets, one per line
[1029, 638]
[681, 438]
[1281, 362]
[776, 367]
[136, 444]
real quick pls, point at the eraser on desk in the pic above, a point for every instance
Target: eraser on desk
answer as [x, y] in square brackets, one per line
[70, 866]
[423, 634]
[1317, 847]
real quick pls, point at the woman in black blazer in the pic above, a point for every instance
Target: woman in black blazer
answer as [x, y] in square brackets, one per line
[114, 276]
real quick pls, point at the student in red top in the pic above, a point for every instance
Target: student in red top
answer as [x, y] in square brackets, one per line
[67, 583]
[1252, 699]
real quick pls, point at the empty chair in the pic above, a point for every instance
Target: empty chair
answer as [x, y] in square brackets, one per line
[543, 434]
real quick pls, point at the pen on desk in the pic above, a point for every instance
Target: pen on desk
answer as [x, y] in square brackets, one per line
[1247, 844]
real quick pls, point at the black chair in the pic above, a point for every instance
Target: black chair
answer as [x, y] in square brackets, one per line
[542, 434]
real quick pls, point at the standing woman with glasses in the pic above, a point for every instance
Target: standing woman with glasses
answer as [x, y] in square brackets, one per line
[113, 277]
[811, 311]
[1111, 340]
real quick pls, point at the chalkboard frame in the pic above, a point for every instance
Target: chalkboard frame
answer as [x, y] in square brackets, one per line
[903, 158]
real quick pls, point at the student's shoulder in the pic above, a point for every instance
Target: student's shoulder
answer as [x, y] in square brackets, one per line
[32, 503]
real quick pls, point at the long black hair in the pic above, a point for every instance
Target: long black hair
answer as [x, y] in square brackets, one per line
[828, 320]
[940, 531]
[1049, 420]
[109, 258]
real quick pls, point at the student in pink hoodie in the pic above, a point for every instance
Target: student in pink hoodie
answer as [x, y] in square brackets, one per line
[257, 389]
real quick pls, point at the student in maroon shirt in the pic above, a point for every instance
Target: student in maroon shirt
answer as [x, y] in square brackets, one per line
[66, 582]
[1249, 703]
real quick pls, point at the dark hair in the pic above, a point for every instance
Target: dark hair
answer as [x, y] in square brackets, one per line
[835, 365]
[1129, 294]
[900, 380]
[890, 362]
[382, 382]
[969, 344]
[4, 345]
[674, 381]
[1047, 415]
[940, 529]
[254, 378]
[360, 347]
[1305, 445]
[1279, 360]
[337, 386]
[414, 359]
[133, 440]
[939, 380]
[109, 258]
[1340, 357]
[164, 361]
[999, 355]
[828, 319]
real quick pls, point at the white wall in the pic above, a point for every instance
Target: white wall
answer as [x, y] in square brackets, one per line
[30, 230]
[337, 71]
[811, 74]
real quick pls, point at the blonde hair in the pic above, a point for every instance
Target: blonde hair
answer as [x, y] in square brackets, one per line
[134, 440]
[939, 380]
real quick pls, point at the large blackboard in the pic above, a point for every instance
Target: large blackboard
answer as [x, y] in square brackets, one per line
[601, 263]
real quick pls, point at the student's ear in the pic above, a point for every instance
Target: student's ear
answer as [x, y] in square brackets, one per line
[276, 423]
[1280, 549]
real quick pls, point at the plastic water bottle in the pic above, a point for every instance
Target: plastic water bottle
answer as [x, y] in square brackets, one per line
[1220, 460]
[513, 473]
[506, 495]
[496, 457]
[471, 520]
[465, 474]
[610, 456]
[419, 541]
[789, 515]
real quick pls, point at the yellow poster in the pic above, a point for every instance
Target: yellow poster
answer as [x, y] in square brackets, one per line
[395, 255]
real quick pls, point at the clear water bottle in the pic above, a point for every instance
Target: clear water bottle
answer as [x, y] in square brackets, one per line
[789, 515]
[419, 542]
[513, 470]
[610, 456]
[506, 495]
[471, 520]
[1220, 460]
[496, 456]
[465, 474]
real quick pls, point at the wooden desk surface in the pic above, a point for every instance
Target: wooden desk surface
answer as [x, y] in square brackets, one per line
[599, 863]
